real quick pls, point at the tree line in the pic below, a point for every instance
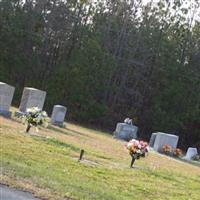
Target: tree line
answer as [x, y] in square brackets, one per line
[107, 60]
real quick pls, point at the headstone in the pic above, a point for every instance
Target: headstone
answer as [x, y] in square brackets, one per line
[125, 131]
[32, 97]
[152, 139]
[6, 96]
[162, 138]
[58, 115]
[190, 153]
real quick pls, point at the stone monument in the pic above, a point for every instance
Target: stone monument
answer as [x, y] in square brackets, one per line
[152, 139]
[58, 115]
[162, 138]
[125, 131]
[6, 96]
[190, 153]
[32, 97]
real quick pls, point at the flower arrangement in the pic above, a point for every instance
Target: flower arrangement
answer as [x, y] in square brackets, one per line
[137, 149]
[177, 152]
[34, 117]
[167, 149]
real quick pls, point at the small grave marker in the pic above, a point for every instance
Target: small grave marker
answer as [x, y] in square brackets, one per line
[81, 154]
[58, 115]
[190, 153]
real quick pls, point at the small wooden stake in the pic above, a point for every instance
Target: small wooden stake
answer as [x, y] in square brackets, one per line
[81, 155]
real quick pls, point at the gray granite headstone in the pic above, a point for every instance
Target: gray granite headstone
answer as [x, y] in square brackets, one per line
[58, 115]
[125, 131]
[152, 139]
[190, 153]
[32, 97]
[162, 138]
[6, 96]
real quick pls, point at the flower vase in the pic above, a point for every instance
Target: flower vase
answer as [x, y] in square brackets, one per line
[28, 127]
[142, 154]
[132, 160]
[137, 156]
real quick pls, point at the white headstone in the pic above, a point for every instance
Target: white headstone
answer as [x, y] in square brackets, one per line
[6, 96]
[190, 153]
[162, 138]
[125, 131]
[32, 97]
[58, 115]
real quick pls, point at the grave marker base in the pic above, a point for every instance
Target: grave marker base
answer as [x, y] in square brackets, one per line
[19, 114]
[6, 114]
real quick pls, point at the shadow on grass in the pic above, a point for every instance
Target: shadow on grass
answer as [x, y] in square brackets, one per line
[62, 130]
[67, 131]
[192, 162]
[58, 143]
[164, 176]
[59, 130]
[13, 118]
[76, 132]
[170, 177]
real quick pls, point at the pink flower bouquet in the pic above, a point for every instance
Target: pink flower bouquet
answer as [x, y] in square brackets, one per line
[137, 149]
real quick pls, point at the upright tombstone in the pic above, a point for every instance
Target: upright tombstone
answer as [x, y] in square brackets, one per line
[190, 153]
[152, 139]
[32, 97]
[125, 131]
[6, 96]
[58, 115]
[162, 138]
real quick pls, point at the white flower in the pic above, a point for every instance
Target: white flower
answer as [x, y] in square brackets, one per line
[36, 116]
[138, 151]
[33, 110]
[44, 114]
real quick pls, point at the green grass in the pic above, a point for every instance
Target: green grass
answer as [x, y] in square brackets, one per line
[47, 163]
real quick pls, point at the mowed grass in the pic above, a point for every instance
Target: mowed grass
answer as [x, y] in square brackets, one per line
[47, 166]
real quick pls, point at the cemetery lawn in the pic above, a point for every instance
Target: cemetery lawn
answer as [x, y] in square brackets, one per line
[47, 166]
